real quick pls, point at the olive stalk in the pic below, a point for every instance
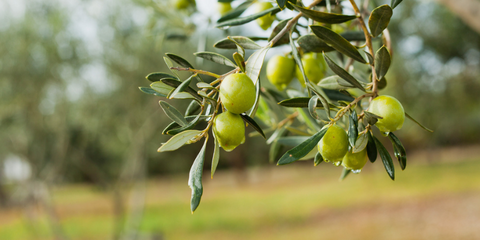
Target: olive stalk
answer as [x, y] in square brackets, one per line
[342, 111]
[368, 39]
[197, 71]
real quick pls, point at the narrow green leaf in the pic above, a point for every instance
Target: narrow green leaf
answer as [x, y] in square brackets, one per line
[157, 76]
[342, 73]
[371, 118]
[181, 88]
[280, 26]
[337, 42]
[395, 3]
[175, 83]
[195, 178]
[335, 82]
[335, 95]
[240, 61]
[243, 20]
[216, 58]
[382, 83]
[353, 35]
[174, 128]
[301, 150]
[300, 102]
[192, 108]
[324, 17]
[371, 148]
[216, 155]
[254, 124]
[254, 108]
[382, 62]
[204, 85]
[161, 88]
[169, 64]
[148, 90]
[352, 127]
[386, 158]
[308, 120]
[255, 62]
[292, 141]
[312, 107]
[179, 60]
[281, 3]
[361, 143]
[178, 140]
[345, 173]
[399, 150]
[173, 113]
[318, 159]
[312, 43]
[244, 42]
[419, 124]
[320, 94]
[370, 59]
[236, 12]
[297, 58]
[379, 19]
[189, 125]
[274, 151]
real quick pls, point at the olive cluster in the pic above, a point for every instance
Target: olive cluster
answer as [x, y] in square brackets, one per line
[334, 146]
[281, 70]
[237, 94]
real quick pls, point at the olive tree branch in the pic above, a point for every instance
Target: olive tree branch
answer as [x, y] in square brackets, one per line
[342, 111]
[290, 24]
[368, 39]
[197, 71]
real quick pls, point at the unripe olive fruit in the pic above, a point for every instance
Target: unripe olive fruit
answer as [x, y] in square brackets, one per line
[355, 161]
[314, 68]
[280, 71]
[229, 130]
[391, 111]
[183, 4]
[224, 7]
[237, 93]
[266, 21]
[334, 144]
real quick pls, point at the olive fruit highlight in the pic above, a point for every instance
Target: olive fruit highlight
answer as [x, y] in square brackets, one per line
[355, 161]
[280, 71]
[334, 144]
[229, 130]
[265, 21]
[314, 68]
[391, 111]
[237, 93]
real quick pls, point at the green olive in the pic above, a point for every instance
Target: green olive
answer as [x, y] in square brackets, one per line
[355, 161]
[280, 71]
[229, 130]
[266, 21]
[237, 93]
[391, 111]
[183, 4]
[314, 68]
[334, 144]
[224, 7]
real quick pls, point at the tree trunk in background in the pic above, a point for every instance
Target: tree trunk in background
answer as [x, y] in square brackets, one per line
[467, 10]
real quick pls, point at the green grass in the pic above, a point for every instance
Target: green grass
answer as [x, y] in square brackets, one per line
[275, 203]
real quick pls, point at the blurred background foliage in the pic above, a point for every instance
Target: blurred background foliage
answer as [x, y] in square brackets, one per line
[71, 111]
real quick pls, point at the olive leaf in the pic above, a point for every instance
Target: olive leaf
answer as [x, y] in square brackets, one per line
[148, 90]
[345, 173]
[399, 150]
[371, 148]
[243, 20]
[232, 41]
[342, 73]
[361, 143]
[236, 12]
[337, 42]
[181, 61]
[284, 39]
[255, 62]
[324, 17]
[215, 57]
[386, 158]
[178, 140]
[382, 62]
[312, 43]
[157, 76]
[254, 124]
[395, 3]
[216, 155]
[173, 113]
[352, 127]
[239, 60]
[302, 149]
[182, 87]
[318, 159]
[195, 178]
[379, 19]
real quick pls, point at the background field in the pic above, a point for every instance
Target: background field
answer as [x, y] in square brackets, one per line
[437, 200]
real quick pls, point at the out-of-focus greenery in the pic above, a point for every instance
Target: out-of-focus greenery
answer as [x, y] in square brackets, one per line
[426, 202]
